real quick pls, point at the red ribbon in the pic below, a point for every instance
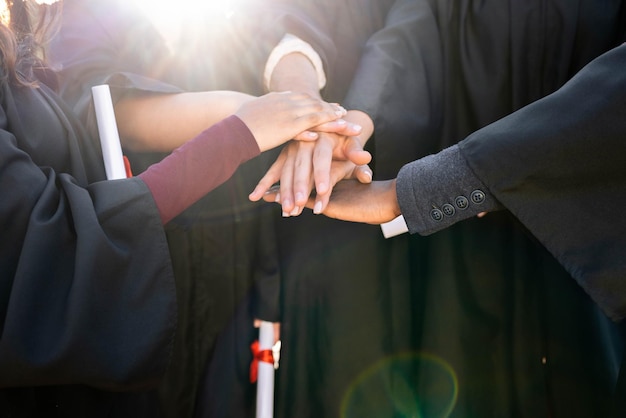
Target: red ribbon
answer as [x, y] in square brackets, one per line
[129, 172]
[265, 356]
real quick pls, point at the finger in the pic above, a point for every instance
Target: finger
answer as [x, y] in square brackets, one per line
[315, 113]
[339, 126]
[275, 326]
[306, 136]
[322, 160]
[276, 332]
[339, 171]
[286, 179]
[302, 174]
[340, 108]
[264, 187]
[321, 201]
[363, 173]
[353, 150]
[273, 194]
[269, 179]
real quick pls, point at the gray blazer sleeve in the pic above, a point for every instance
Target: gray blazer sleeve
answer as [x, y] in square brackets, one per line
[440, 190]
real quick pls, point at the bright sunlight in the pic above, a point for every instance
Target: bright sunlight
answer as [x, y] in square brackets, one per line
[168, 16]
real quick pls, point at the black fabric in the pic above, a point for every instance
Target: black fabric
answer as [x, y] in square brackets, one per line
[345, 291]
[223, 247]
[493, 310]
[339, 314]
[369, 324]
[563, 175]
[88, 305]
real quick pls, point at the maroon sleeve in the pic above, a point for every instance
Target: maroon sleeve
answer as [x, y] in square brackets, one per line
[198, 166]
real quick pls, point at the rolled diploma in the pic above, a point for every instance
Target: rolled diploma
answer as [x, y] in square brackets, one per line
[109, 136]
[265, 377]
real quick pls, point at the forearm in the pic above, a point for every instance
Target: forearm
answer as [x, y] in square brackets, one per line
[295, 72]
[199, 166]
[163, 122]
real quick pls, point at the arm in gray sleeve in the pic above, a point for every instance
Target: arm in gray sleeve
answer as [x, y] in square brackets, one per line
[439, 190]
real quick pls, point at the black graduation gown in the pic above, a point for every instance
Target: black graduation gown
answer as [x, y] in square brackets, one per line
[518, 335]
[339, 314]
[345, 300]
[498, 325]
[223, 247]
[87, 294]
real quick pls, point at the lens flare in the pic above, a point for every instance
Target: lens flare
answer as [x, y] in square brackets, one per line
[408, 385]
[172, 18]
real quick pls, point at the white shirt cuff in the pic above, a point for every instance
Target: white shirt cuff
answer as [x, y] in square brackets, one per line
[290, 44]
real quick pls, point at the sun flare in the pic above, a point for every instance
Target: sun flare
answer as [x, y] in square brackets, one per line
[169, 17]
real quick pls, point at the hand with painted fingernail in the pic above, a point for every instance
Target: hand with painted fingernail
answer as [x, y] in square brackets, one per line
[305, 167]
[278, 117]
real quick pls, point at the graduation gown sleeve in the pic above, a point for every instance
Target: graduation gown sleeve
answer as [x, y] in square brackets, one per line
[558, 166]
[86, 286]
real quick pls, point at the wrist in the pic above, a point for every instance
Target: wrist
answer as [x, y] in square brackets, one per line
[393, 198]
[294, 72]
[306, 58]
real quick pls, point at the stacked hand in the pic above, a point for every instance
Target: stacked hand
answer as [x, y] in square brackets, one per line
[277, 117]
[306, 166]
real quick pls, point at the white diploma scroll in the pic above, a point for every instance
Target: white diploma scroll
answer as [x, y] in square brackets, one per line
[109, 136]
[395, 227]
[265, 382]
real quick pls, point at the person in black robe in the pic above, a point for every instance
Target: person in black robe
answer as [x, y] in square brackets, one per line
[560, 174]
[494, 311]
[346, 299]
[221, 247]
[88, 293]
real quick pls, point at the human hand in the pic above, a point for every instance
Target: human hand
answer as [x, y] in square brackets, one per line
[335, 156]
[278, 117]
[373, 203]
[339, 126]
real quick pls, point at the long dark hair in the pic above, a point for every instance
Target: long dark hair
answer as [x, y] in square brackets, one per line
[22, 42]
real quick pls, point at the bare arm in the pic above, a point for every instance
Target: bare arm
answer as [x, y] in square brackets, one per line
[199, 165]
[373, 203]
[163, 122]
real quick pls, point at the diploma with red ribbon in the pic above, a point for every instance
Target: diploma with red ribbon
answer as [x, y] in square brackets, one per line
[265, 356]
[262, 370]
[115, 163]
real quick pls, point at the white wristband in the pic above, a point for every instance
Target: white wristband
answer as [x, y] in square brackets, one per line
[290, 44]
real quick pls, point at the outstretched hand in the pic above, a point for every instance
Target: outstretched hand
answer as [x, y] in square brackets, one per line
[301, 167]
[276, 118]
